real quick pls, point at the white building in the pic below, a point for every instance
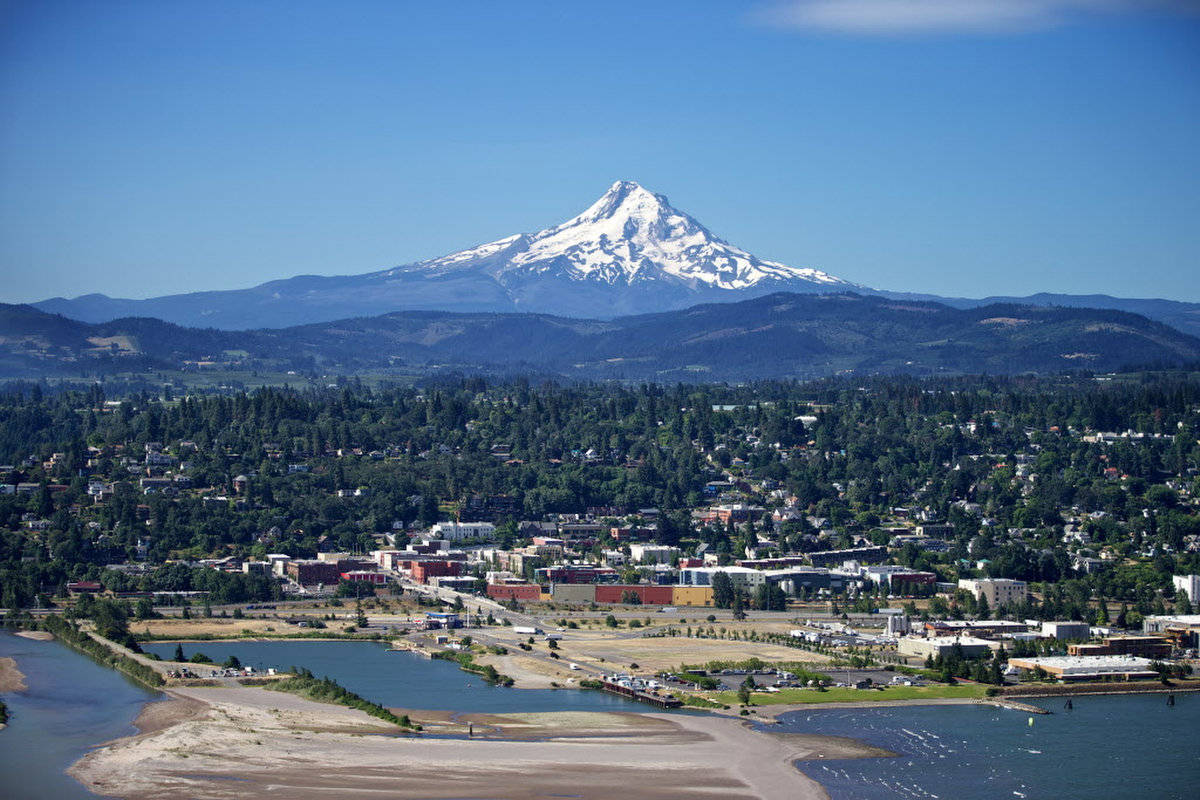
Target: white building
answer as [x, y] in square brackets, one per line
[997, 591]
[658, 553]
[457, 531]
[743, 577]
[1190, 584]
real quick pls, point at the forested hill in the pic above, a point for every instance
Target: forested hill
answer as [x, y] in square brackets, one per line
[780, 335]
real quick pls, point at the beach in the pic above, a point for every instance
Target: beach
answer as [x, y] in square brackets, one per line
[233, 742]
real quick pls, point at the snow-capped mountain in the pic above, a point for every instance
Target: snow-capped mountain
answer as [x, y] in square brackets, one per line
[629, 236]
[630, 252]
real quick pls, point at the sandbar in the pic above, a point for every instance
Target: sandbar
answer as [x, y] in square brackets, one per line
[11, 678]
[237, 742]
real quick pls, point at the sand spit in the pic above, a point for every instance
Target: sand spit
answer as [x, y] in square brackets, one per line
[238, 742]
[11, 678]
[41, 636]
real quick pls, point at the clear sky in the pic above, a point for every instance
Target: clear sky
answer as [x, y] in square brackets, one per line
[960, 147]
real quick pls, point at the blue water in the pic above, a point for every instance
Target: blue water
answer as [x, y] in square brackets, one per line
[1107, 747]
[71, 704]
[398, 679]
[1127, 746]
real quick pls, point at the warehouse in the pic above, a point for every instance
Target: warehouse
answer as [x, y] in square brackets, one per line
[1083, 668]
[942, 646]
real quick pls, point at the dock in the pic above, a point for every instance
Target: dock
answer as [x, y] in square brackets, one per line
[660, 701]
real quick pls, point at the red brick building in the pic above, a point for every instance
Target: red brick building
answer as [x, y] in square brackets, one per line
[312, 572]
[514, 591]
[619, 593]
[422, 571]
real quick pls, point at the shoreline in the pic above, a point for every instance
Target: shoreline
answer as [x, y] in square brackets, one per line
[289, 638]
[1094, 690]
[770, 713]
[229, 742]
[225, 742]
[222, 742]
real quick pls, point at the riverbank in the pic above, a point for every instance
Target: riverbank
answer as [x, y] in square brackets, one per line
[773, 712]
[224, 743]
[11, 678]
[1072, 689]
[71, 703]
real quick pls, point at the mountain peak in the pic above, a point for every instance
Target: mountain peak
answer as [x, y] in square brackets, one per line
[629, 237]
[629, 195]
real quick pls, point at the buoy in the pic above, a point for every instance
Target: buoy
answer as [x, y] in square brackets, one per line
[1170, 699]
[1068, 706]
[1031, 722]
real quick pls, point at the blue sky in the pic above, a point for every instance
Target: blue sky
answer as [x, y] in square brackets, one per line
[960, 147]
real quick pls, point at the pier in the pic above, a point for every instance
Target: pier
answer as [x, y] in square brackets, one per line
[660, 701]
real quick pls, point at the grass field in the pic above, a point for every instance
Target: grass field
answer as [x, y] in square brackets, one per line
[848, 695]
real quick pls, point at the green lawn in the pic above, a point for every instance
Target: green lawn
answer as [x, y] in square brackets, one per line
[847, 695]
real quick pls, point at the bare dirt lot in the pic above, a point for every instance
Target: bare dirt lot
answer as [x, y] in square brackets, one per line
[608, 650]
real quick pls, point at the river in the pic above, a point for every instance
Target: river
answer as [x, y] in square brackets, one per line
[71, 705]
[1115, 746]
[1106, 747]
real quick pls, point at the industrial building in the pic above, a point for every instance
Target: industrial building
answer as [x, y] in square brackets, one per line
[1082, 668]
[1145, 646]
[1182, 629]
[615, 594]
[942, 645]
[974, 627]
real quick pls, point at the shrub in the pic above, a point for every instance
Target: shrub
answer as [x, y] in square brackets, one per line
[327, 690]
